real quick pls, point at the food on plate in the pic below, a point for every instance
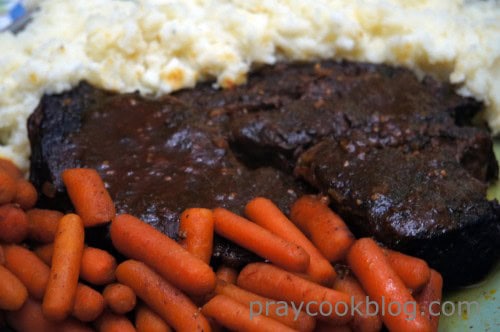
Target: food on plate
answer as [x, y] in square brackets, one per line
[429, 298]
[234, 315]
[31, 318]
[14, 224]
[369, 276]
[259, 240]
[373, 270]
[88, 195]
[89, 303]
[177, 309]
[363, 320]
[43, 224]
[275, 283]
[157, 46]
[138, 240]
[146, 320]
[326, 229]
[265, 213]
[60, 293]
[110, 322]
[31, 270]
[299, 321]
[14, 293]
[196, 232]
[414, 272]
[415, 179]
[119, 298]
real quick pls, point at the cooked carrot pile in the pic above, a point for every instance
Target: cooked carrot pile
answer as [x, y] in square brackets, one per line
[49, 279]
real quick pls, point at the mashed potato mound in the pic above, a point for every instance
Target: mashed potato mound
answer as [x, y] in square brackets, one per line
[157, 46]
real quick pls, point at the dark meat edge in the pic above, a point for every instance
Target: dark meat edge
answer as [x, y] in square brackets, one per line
[283, 162]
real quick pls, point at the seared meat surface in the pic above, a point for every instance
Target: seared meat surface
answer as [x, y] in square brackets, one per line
[398, 157]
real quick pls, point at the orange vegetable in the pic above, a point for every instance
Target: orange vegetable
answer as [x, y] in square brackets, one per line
[323, 226]
[89, 196]
[109, 322]
[11, 169]
[196, 230]
[138, 240]
[7, 187]
[45, 253]
[259, 240]
[43, 224]
[382, 284]
[119, 298]
[414, 271]
[13, 293]
[13, 224]
[60, 293]
[237, 317]
[89, 303]
[227, 274]
[429, 299]
[146, 320]
[30, 318]
[98, 266]
[265, 213]
[297, 320]
[172, 305]
[365, 317]
[30, 269]
[322, 302]
[26, 194]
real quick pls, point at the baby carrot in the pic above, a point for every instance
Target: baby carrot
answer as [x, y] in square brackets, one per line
[146, 320]
[196, 230]
[110, 322]
[227, 274]
[26, 195]
[265, 213]
[414, 271]
[323, 226]
[89, 303]
[259, 240]
[7, 187]
[11, 169]
[30, 318]
[30, 269]
[167, 301]
[429, 299]
[119, 298]
[14, 224]
[237, 317]
[98, 266]
[366, 318]
[297, 320]
[322, 302]
[12, 292]
[138, 240]
[382, 284]
[89, 196]
[2, 256]
[60, 293]
[43, 224]
[45, 253]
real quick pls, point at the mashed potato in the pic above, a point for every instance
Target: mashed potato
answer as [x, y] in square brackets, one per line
[157, 46]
